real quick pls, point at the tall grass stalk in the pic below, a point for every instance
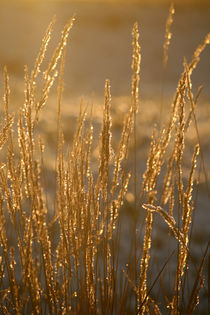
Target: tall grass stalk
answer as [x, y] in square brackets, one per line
[69, 261]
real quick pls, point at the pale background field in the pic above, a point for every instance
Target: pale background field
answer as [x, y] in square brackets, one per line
[100, 48]
[99, 45]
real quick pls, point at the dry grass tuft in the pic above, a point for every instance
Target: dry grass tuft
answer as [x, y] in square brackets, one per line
[69, 261]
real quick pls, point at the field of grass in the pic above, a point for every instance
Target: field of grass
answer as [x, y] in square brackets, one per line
[104, 205]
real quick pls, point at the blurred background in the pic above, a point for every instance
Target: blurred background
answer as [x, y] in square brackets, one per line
[100, 47]
[100, 42]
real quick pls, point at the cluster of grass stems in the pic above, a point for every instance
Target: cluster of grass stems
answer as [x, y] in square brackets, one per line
[66, 261]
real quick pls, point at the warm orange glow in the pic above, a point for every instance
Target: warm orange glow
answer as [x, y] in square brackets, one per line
[104, 157]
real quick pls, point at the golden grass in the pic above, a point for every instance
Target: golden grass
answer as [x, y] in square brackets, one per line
[68, 262]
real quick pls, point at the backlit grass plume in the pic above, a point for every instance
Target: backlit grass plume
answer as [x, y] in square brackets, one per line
[61, 249]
